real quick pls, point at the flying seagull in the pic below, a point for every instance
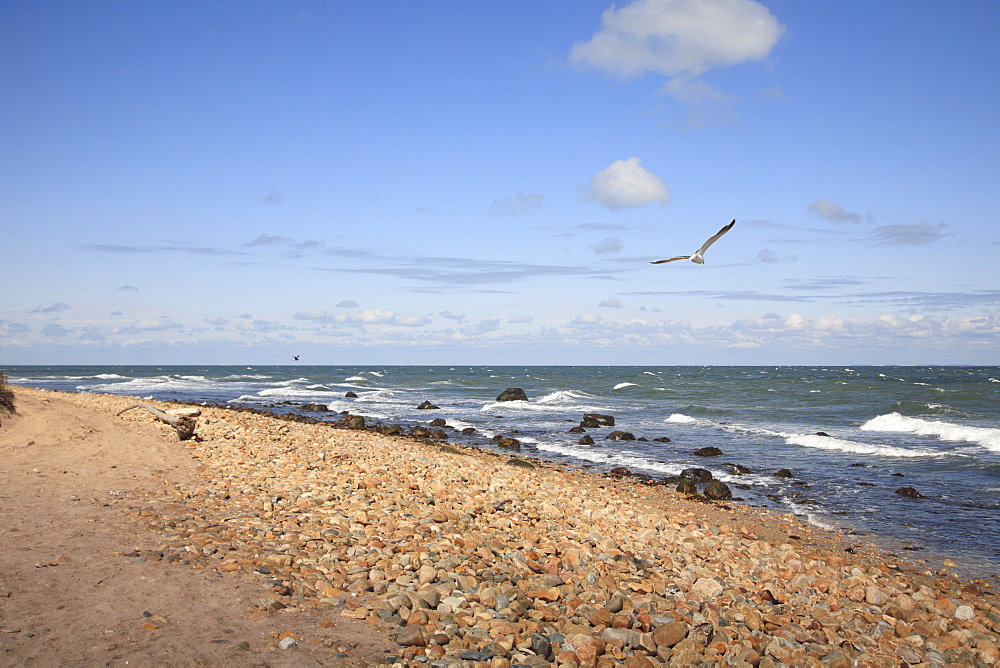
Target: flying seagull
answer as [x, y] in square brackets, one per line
[296, 357]
[699, 255]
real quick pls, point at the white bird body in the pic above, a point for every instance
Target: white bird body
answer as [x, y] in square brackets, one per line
[699, 255]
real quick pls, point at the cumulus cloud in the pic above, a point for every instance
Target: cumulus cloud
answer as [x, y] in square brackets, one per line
[162, 324]
[611, 303]
[826, 209]
[519, 319]
[609, 245]
[909, 235]
[347, 303]
[8, 328]
[625, 184]
[680, 39]
[452, 316]
[587, 319]
[519, 205]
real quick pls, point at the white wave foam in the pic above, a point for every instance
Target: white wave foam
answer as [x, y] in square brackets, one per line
[108, 376]
[946, 431]
[621, 385]
[842, 445]
[680, 418]
[376, 373]
[355, 378]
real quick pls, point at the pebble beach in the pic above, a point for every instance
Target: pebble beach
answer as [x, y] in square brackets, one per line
[472, 558]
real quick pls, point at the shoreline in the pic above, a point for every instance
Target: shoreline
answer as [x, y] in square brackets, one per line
[461, 554]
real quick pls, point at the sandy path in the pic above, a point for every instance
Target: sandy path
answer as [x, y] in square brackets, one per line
[71, 595]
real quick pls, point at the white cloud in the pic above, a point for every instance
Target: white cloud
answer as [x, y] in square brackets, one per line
[824, 208]
[347, 303]
[680, 39]
[610, 303]
[587, 319]
[452, 316]
[626, 183]
[155, 325]
[519, 319]
[766, 255]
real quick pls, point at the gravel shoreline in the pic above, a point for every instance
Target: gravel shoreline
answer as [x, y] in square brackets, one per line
[471, 557]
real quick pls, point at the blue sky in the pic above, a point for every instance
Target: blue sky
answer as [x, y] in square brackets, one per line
[461, 183]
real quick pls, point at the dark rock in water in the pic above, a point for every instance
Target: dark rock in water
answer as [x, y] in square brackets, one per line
[426, 406]
[439, 435]
[350, 395]
[739, 469]
[708, 452]
[507, 442]
[468, 431]
[822, 433]
[909, 492]
[620, 436]
[687, 487]
[420, 432]
[597, 420]
[643, 439]
[354, 422]
[577, 430]
[783, 473]
[393, 430]
[620, 471]
[860, 465]
[512, 394]
[697, 475]
[662, 439]
[314, 408]
[586, 440]
[520, 463]
[438, 422]
[717, 491]
[898, 475]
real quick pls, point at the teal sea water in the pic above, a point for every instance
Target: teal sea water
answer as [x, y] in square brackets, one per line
[936, 429]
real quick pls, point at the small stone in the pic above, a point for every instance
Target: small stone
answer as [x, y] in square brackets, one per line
[669, 634]
[965, 613]
[287, 643]
[411, 636]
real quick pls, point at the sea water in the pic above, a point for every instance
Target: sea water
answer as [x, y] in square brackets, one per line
[850, 436]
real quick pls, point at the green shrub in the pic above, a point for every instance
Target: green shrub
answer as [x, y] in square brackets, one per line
[6, 394]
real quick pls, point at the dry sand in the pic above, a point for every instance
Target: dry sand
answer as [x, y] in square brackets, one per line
[275, 542]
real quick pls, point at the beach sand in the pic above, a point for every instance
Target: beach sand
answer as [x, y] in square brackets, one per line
[268, 541]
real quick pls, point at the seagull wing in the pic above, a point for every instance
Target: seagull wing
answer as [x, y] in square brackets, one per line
[715, 238]
[679, 257]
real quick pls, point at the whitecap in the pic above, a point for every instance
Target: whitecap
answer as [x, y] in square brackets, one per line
[946, 431]
[842, 445]
[621, 385]
[355, 378]
[680, 418]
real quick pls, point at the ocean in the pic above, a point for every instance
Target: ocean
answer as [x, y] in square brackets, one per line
[850, 436]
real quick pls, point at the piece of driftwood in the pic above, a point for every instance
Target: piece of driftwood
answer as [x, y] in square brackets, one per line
[184, 426]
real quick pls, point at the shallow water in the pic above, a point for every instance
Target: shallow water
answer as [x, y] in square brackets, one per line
[936, 429]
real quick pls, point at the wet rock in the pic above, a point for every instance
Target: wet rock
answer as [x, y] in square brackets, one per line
[351, 395]
[592, 420]
[512, 394]
[687, 487]
[620, 436]
[468, 431]
[708, 452]
[439, 422]
[697, 475]
[507, 442]
[586, 440]
[662, 439]
[426, 406]
[577, 430]
[717, 491]
[783, 473]
[739, 469]
[314, 408]
[909, 492]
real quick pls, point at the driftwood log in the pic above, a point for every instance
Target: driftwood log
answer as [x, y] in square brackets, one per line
[184, 426]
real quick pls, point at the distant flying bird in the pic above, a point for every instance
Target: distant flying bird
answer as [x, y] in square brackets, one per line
[699, 255]
[296, 357]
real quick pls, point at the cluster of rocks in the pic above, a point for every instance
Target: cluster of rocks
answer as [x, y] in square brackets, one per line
[477, 559]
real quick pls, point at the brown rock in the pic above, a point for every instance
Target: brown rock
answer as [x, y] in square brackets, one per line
[411, 636]
[669, 634]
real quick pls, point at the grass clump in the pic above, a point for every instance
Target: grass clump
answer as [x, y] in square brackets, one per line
[6, 395]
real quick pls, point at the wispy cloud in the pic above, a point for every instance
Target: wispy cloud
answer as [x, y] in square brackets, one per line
[57, 307]
[608, 245]
[909, 235]
[518, 205]
[613, 302]
[827, 210]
